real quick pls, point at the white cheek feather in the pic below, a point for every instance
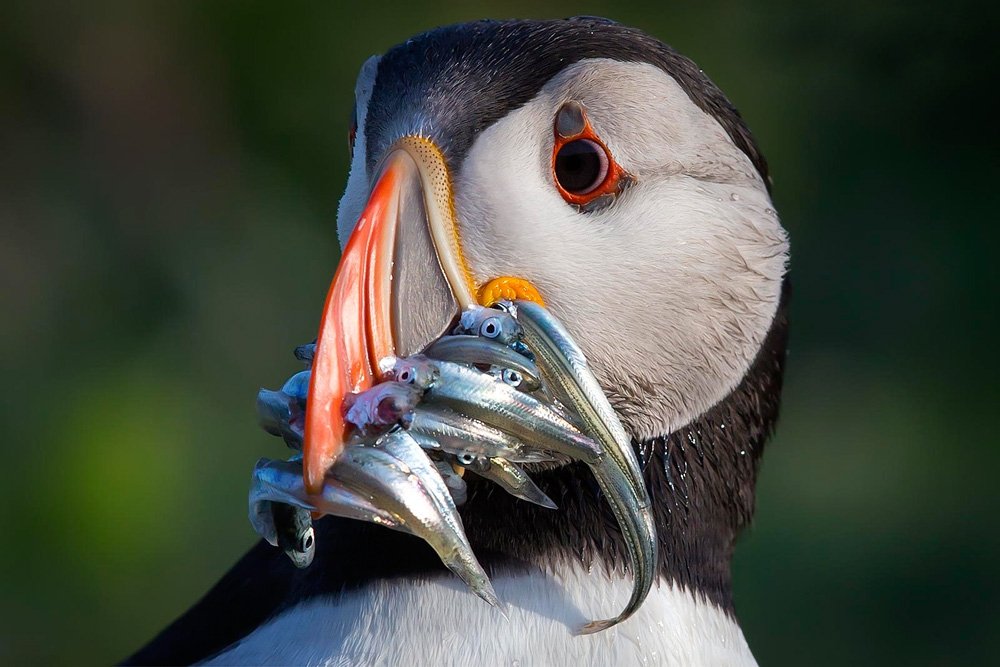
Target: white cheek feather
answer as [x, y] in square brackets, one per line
[438, 622]
[356, 192]
[671, 290]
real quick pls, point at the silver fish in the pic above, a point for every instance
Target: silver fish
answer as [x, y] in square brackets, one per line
[565, 370]
[401, 445]
[281, 482]
[492, 402]
[453, 480]
[297, 387]
[295, 533]
[426, 442]
[418, 370]
[383, 405]
[464, 349]
[266, 487]
[510, 478]
[390, 484]
[280, 414]
[456, 434]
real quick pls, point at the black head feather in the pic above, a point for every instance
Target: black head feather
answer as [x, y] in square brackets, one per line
[460, 79]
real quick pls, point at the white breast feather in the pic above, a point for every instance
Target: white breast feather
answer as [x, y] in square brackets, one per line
[438, 622]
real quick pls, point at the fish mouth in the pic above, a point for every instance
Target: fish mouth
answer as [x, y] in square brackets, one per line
[401, 282]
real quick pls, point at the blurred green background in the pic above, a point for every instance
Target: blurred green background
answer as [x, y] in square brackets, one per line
[169, 176]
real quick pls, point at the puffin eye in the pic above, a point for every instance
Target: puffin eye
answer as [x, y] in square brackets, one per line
[584, 171]
[581, 166]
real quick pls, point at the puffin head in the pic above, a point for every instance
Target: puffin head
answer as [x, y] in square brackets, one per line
[579, 163]
[590, 167]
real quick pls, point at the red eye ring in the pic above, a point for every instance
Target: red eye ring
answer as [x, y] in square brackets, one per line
[583, 168]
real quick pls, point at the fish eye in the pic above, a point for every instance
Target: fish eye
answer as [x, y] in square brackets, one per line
[406, 375]
[307, 542]
[490, 328]
[466, 459]
[511, 377]
[581, 166]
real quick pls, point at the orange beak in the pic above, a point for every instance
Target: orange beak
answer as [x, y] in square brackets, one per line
[400, 283]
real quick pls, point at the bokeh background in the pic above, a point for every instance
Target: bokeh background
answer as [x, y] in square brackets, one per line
[169, 174]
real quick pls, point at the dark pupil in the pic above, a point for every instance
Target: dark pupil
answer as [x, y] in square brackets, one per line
[578, 166]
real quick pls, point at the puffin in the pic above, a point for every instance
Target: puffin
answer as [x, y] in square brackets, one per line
[586, 164]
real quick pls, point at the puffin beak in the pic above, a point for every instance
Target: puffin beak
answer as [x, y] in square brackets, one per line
[400, 283]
